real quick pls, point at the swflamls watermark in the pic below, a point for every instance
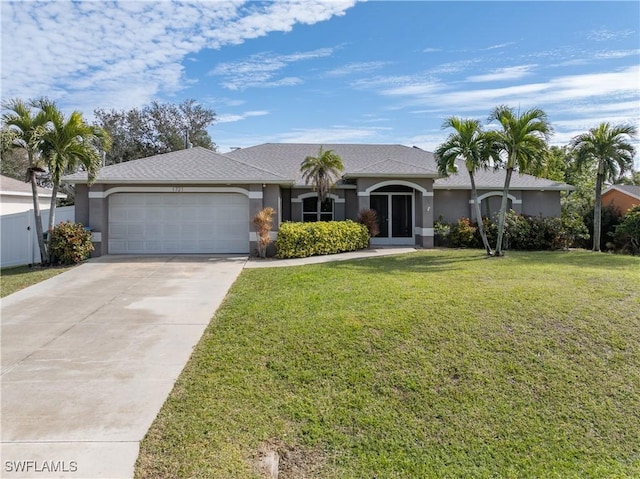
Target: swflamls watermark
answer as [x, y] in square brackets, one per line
[29, 465]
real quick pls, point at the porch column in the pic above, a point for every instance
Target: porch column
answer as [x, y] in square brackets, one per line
[424, 234]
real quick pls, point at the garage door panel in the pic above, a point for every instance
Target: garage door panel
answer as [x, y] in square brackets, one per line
[178, 223]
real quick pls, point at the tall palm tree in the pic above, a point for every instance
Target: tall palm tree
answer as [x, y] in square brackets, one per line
[609, 146]
[322, 171]
[67, 144]
[523, 142]
[469, 143]
[28, 127]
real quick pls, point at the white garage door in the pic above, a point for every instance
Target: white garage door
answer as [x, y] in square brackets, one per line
[142, 223]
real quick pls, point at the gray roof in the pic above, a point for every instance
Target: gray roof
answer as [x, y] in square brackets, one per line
[193, 165]
[494, 179]
[631, 190]
[279, 163]
[11, 186]
[359, 160]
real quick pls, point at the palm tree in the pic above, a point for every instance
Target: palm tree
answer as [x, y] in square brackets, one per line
[469, 143]
[609, 146]
[67, 144]
[28, 128]
[523, 142]
[322, 171]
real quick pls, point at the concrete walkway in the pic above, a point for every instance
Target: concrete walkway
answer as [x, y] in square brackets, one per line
[360, 254]
[89, 357]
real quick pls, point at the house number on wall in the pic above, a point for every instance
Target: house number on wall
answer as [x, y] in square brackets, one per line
[177, 189]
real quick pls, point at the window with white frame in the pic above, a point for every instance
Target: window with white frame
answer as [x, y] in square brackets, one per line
[310, 209]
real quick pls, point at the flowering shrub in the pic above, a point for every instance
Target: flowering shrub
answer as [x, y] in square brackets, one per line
[462, 234]
[70, 243]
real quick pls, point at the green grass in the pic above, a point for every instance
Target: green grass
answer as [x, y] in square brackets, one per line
[438, 364]
[15, 279]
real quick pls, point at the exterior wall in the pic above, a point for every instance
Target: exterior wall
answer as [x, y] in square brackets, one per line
[339, 207]
[620, 200]
[17, 204]
[541, 203]
[351, 205]
[82, 204]
[451, 205]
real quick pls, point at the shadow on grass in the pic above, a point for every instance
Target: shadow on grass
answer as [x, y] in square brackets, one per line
[431, 261]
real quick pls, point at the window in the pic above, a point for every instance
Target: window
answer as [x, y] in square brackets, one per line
[310, 209]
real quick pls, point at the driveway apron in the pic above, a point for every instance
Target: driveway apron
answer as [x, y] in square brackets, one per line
[89, 357]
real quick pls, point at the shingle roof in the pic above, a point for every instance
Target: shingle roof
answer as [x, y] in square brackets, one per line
[11, 186]
[631, 190]
[492, 179]
[193, 165]
[358, 159]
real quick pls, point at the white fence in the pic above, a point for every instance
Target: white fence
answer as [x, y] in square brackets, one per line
[18, 242]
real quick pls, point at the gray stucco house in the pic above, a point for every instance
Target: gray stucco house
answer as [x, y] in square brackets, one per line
[199, 201]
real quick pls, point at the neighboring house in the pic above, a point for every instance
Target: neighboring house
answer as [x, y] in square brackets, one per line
[199, 201]
[16, 196]
[622, 197]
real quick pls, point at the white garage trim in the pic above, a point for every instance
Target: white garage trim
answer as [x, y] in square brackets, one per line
[176, 189]
[178, 222]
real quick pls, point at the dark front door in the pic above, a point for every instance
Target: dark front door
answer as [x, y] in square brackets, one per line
[395, 217]
[380, 204]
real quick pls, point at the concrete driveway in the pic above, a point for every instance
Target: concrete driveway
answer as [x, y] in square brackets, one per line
[89, 357]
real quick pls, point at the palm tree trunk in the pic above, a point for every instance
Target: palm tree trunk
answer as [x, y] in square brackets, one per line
[38, 216]
[319, 206]
[503, 212]
[597, 214]
[52, 218]
[483, 234]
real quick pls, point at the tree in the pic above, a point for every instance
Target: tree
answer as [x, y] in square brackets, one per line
[610, 147]
[523, 142]
[155, 129]
[67, 144]
[469, 143]
[322, 171]
[27, 125]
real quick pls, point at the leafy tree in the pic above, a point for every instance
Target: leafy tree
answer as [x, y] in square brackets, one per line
[26, 124]
[610, 147]
[14, 161]
[67, 144]
[322, 171]
[469, 143]
[523, 142]
[156, 128]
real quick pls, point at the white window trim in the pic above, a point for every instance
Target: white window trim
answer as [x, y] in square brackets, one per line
[176, 189]
[315, 195]
[514, 200]
[382, 184]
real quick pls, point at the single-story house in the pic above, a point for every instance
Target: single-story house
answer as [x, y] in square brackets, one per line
[200, 201]
[622, 197]
[16, 196]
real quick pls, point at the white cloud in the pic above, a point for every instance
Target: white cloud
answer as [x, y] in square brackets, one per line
[334, 134]
[604, 35]
[501, 74]
[110, 49]
[259, 70]
[357, 67]
[231, 118]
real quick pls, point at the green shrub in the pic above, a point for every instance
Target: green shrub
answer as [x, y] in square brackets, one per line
[441, 232]
[299, 240]
[70, 243]
[627, 232]
[463, 234]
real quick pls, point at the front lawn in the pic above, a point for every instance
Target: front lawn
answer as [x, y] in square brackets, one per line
[434, 364]
[19, 277]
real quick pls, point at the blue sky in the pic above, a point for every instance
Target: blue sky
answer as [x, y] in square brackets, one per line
[338, 71]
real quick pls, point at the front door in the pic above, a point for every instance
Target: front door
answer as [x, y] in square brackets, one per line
[395, 218]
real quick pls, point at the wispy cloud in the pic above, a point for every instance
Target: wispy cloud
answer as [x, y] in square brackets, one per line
[130, 51]
[259, 70]
[333, 134]
[605, 35]
[502, 74]
[231, 118]
[356, 68]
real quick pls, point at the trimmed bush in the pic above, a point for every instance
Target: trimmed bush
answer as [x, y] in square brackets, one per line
[70, 243]
[299, 240]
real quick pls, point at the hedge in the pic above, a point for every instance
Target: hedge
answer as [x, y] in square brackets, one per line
[299, 240]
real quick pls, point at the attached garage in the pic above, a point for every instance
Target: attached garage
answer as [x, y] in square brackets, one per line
[147, 223]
